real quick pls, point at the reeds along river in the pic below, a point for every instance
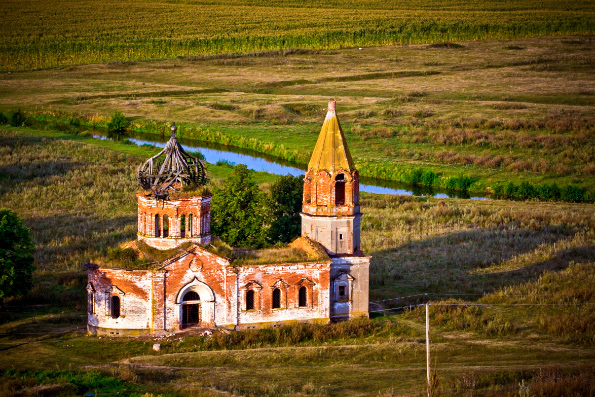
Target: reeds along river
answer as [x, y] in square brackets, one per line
[256, 161]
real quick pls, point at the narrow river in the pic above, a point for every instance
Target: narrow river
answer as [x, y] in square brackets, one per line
[215, 153]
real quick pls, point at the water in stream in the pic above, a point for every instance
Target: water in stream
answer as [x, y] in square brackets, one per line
[255, 161]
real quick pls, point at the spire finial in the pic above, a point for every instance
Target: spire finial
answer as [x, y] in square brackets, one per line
[173, 128]
[332, 104]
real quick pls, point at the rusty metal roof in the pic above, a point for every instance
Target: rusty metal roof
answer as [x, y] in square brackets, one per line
[331, 152]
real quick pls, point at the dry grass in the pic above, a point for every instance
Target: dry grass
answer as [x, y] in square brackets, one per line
[484, 245]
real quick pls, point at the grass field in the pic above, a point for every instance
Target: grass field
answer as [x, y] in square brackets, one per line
[496, 111]
[77, 196]
[495, 91]
[47, 34]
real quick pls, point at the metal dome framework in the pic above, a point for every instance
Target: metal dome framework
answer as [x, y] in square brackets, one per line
[170, 170]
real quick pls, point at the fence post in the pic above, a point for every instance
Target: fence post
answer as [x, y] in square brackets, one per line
[428, 346]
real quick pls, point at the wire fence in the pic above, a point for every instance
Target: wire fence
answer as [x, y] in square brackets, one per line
[412, 301]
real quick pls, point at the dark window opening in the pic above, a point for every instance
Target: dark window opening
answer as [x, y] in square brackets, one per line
[250, 300]
[190, 225]
[342, 291]
[91, 303]
[191, 296]
[165, 226]
[157, 226]
[340, 189]
[115, 307]
[183, 226]
[340, 236]
[303, 295]
[276, 298]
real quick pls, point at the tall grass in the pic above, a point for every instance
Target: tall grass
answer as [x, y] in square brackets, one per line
[77, 199]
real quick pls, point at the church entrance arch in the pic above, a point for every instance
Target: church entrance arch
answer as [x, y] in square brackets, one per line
[196, 304]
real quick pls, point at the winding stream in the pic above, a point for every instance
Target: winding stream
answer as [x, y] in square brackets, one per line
[214, 153]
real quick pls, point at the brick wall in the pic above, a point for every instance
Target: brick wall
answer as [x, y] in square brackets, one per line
[164, 224]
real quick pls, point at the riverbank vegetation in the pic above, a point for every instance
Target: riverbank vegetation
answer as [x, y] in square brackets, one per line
[472, 116]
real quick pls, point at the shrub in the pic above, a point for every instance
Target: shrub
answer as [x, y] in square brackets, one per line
[510, 191]
[414, 177]
[499, 191]
[461, 182]
[428, 178]
[3, 118]
[526, 191]
[17, 118]
[573, 194]
[117, 125]
[547, 192]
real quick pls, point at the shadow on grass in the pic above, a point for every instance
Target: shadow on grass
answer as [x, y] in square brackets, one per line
[77, 236]
[26, 171]
[443, 265]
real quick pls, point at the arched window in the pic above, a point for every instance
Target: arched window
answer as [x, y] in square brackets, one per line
[115, 306]
[165, 226]
[250, 300]
[276, 298]
[91, 302]
[340, 189]
[303, 297]
[191, 296]
[183, 226]
[190, 225]
[157, 226]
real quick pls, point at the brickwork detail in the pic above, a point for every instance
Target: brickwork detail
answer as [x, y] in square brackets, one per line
[165, 224]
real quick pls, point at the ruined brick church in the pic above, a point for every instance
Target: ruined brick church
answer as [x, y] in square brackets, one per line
[188, 277]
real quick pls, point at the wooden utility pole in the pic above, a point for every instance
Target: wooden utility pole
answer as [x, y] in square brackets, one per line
[428, 346]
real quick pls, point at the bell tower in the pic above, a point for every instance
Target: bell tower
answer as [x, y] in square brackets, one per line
[330, 206]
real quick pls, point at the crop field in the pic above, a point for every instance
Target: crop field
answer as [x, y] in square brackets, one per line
[529, 265]
[47, 34]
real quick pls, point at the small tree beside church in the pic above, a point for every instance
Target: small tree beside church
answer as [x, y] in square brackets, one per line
[240, 216]
[286, 204]
[16, 256]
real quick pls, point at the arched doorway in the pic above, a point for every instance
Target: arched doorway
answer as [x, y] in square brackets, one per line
[190, 309]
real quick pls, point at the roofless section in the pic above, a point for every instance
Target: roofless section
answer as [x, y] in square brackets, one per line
[171, 170]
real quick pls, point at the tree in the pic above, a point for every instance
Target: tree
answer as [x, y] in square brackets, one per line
[286, 204]
[240, 216]
[16, 256]
[117, 126]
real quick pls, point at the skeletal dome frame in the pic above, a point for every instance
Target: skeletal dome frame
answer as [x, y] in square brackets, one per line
[170, 170]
